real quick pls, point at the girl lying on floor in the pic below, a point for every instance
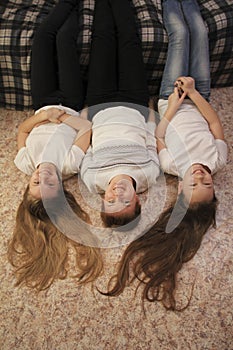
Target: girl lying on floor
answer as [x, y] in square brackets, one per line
[122, 160]
[191, 145]
[51, 146]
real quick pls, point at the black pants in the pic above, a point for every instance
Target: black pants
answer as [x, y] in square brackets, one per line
[116, 70]
[55, 72]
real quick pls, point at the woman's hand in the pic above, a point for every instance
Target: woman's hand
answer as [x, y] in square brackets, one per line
[185, 84]
[53, 114]
[50, 115]
[174, 101]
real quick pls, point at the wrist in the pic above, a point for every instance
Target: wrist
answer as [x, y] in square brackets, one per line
[169, 114]
[76, 123]
[63, 117]
[160, 137]
[191, 94]
[41, 116]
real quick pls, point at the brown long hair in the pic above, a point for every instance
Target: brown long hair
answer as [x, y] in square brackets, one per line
[114, 220]
[156, 257]
[40, 252]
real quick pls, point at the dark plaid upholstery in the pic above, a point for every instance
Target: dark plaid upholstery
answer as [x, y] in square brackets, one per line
[20, 18]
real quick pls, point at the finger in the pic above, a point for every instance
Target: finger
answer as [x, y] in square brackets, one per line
[61, 113]
[181, 80]
[182, 97]
[54, 120]
[176, 91]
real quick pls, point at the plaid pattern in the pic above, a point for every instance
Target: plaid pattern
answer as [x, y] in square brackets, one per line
[20, 18]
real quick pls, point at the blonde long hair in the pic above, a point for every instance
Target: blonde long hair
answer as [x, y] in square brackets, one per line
[40, 252]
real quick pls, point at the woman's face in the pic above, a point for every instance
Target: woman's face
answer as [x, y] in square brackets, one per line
[120, 196]
[197, 184]
[44, 182]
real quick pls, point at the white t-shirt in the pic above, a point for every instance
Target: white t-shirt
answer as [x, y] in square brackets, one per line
[122, 143]
[188, 141]
[51, 143]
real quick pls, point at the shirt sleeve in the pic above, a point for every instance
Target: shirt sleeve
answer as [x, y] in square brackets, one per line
[73, 161]
[24, 162]
[222, 152]
[167, 163]
[151, 143]
[151, 140]
[151, 126]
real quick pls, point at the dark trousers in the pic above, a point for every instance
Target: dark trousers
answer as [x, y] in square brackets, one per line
[55, 72]
[116, 70]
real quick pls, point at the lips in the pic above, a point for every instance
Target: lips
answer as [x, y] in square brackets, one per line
[118, 187]
[198, 171]
[46, 172]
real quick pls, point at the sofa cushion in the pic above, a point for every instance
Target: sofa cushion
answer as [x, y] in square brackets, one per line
[20, 19]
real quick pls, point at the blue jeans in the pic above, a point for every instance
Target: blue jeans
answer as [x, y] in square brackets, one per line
[188, 46]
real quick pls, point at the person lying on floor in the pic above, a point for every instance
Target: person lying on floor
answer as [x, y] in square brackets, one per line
[51, 146]
[122, 160]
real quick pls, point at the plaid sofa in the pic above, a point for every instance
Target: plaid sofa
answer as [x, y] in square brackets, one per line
[20, 18]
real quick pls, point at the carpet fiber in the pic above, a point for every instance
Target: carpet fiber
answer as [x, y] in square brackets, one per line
[69, 316]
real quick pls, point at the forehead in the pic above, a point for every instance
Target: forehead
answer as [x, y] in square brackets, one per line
[201, 194]
[118, 207]
[47, 192]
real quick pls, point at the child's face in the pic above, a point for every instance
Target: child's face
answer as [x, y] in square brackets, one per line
[120, 196]
[44, 181]
[197, 184]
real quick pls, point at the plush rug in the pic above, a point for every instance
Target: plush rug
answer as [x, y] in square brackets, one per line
[70, 316]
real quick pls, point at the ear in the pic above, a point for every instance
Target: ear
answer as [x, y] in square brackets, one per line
[180, 187]
[137, 199]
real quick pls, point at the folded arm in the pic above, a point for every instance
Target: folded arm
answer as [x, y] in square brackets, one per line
[44, 116]
[83, 126]
[188, 85]
[174, 102]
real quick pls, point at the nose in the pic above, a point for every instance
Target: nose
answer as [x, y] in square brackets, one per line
[118, 196]
[118, 190]
[118, 193]
[198, 176]
[43, 177]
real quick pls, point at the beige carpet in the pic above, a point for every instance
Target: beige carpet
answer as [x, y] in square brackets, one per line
[68, 316]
